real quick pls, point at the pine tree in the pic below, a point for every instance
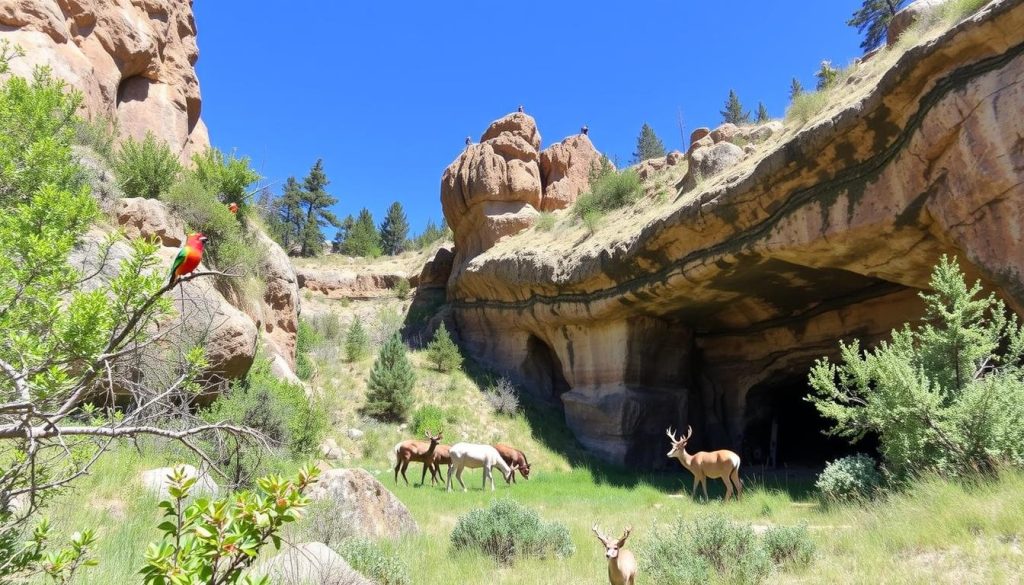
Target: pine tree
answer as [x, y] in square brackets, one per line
[872, 21]
[648, 145]
[443, 352]
[342, 233]
[288, 209]
[733, 112]
[389, 396]
[394, 231]
[431, 233]
[762, 113]
[826, 75]
[795, 88]
[362, 239]
[357, 342]
[316, 200]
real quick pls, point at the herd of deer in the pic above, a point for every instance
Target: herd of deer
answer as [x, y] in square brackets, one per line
[722, 464]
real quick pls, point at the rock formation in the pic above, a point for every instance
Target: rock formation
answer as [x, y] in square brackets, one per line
[711, 313]
[565, 171]
[133, 61]
[374, 512]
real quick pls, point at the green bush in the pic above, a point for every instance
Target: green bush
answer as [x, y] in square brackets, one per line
[228, 176]
[849, 478]
[402, 288]
[429, 418]
[306, 340]
[507, 530]
[946, 395]
[357, 342]
[281, 411]
[546, 221]
[692, 551]
[376, 560]
[147, 168]
[326, 325]
[806, 105]
[442, 351]
[99, 134]
[611, 191]
[389, 395]
[789, 545]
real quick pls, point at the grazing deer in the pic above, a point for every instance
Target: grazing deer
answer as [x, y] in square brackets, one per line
[473, 456]
[409, 451]
[442, 456]
[516, 460]
[723, 464]
[621, 564]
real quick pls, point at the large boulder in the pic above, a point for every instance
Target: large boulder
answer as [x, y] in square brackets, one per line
[133, 61]
[279, 309]
[519, 125]
[375, 512]
[149, 219]
[565, 170]
[708, 161]
[906, 17]
[312, 563]
[436, 271]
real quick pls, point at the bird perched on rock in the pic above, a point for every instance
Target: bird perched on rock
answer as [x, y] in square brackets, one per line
[469, 141]
[189, 257]
[520, 108]
[584, 130]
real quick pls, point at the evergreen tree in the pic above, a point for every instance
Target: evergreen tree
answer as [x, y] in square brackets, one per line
[342, 233]
[648, 145]
[762, 113]
[431, 233]
[443, 352]
[315, 201]
[872, 21]
[389, 396]
[288, 209]
[362, 239]
[733, 112]
[394, 231]
[827, 75]
[357, 342]
[795, 88]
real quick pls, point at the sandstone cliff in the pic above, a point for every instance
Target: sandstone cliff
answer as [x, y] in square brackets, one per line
[133, 61]
[709, 309]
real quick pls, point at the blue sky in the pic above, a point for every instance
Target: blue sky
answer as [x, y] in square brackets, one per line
[386, 92]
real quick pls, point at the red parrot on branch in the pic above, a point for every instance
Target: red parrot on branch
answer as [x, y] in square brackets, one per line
[189, 257]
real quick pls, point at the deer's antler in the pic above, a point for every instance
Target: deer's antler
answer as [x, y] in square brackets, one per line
[597, 532]
[689, 433]
[625, 535]
[671, 434]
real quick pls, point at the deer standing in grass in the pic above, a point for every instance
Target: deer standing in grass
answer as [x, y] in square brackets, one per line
[441, 457]
[408, 451]
[473, 456]
[621, 564]
[723, 464]
[516, 459]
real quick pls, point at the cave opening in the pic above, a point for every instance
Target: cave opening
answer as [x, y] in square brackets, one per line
[543, 367]
[776, 407]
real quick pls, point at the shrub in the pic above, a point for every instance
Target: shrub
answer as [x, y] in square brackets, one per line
[387, 324]
[99, 134]
[375, 560]
[611, 191]
[507, 530]
[147, 168]
[691, 551]
[329, 521]
[402, 288]
[546, 221]
[389, 396]
[429, 418]
[443, 352]
[228, 176]
[946, 395]
[789, 545]
[326, 325]
[503, 397]
[357, 343]
[849, 478]
[806, 106]
[306, 340]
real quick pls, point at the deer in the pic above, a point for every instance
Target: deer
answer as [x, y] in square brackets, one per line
[442, 456]
[472, 456]
[722, 464]
[409, 451]
[516, 460]
[621, 563]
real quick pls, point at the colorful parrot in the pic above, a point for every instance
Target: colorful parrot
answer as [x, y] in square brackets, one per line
[189, 257]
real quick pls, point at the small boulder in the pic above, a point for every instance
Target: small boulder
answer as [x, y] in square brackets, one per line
[157, 481]
[309, 562]
[375, 511]
[675, 157]
[765, 131]
[330, 450]
[698, 134]
[906, 18]
[149, 219]
[355, 434]
[724, 133]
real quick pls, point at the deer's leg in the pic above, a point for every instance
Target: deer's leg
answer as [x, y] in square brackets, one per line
[405, 465]
[487, 475]
[735, 477]
[704, 486]
[398, 463]
[449, 487]
[728, 487]
[423, 476]
[458, 476]
[693, 493]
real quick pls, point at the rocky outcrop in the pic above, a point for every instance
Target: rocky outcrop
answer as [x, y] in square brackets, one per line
[133, 61]
[348, 284]
[279, 309]
[910, 14]
[711, 312]
[308, 562]
[565, 170]
[375, 512]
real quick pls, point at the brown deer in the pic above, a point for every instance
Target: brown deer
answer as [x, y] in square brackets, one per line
[621, 564]
[441, 457]
[723, 464]
[409, 451]
[516, 460]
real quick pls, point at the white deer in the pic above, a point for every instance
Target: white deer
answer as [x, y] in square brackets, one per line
[473, 456]
[621, 564]
[722, 464]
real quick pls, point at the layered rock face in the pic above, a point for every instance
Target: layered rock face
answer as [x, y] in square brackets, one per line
[496, 188]
[711, 313]
[133, 60]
